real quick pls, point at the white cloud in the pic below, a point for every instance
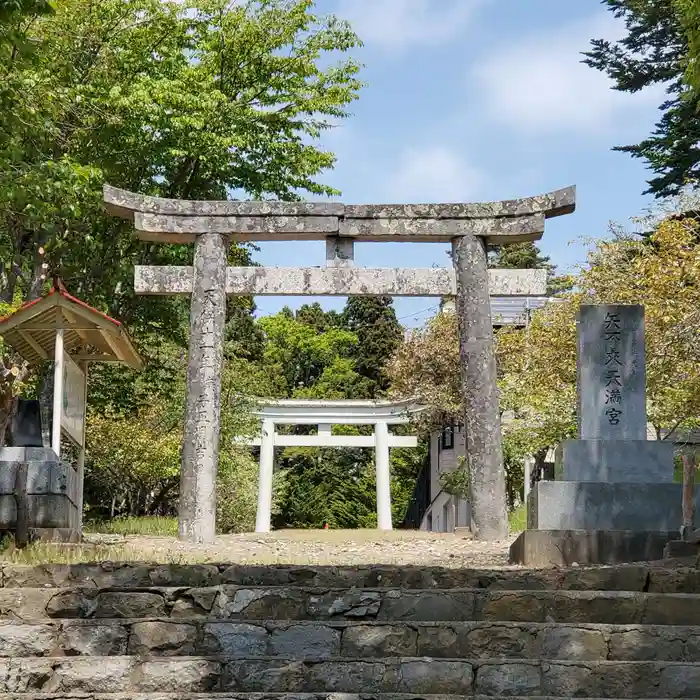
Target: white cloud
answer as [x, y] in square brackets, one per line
[539, 84]
[433, 174]
[395, 25]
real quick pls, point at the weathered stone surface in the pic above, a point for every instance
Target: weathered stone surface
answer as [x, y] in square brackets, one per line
[94, 640]
[349, 677]
[110, 675]
[645, 644]
[235, 639]
[574, 643]
[27, 640]
[428, 606]
[508, 679]
[200, 443]
[512, 606]
[479, 392]
[314, 641]
[551, 204]
[381, 640]
[64, 604]
[557, 547]
[130, 604]
[618, 607]
[494, 231]
[337, 281]
[163, 638]
[624, 461]
[349, 604]
[306, 641]
[498, 641]
[181, 675]
[435, 676]
[265, 676]
[184, 229]
[601, 679]
[676, 609]
[184, 575]
[681, 580]
[248, 604]
[123, 203]
[262, 604]
[196, 601]
[679, 681]
[639, 577]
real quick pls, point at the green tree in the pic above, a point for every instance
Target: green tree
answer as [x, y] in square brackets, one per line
[523, 256]
[655, 51]
[299, 353]
[193, 99]
[379, 333]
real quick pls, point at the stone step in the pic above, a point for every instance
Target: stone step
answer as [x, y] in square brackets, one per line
[638, 577]
[276, 696]
[123, 674]
[295, 603]
[310, 640]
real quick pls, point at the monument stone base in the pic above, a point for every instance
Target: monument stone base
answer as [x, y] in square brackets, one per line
[626, 461]
[52, 493]
[580, 505]
[551, 548]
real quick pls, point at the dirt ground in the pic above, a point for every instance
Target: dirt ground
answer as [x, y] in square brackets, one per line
[308, 547]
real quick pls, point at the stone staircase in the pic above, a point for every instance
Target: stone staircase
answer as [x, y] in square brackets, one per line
[392, 633]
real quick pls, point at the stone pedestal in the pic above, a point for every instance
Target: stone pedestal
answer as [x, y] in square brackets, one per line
[612, 479]
[52, 493]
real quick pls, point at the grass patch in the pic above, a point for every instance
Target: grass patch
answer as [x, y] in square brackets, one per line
[151, 526]
[517, 519]
[39, 553]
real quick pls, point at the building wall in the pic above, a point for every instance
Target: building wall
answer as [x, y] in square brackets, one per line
[445, 512]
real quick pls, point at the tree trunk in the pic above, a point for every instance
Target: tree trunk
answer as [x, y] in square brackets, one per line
[480, 399]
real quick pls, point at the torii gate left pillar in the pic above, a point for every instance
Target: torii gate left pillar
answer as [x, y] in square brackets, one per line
[469, 227]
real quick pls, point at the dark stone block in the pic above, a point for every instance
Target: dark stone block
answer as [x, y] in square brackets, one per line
[25, 429]
[544, 548]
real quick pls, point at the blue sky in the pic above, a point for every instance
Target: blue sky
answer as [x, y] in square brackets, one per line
[471, 100]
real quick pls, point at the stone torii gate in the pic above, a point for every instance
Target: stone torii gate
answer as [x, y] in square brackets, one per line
[211, 225]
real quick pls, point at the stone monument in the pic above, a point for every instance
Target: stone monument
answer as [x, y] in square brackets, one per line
[612, 485]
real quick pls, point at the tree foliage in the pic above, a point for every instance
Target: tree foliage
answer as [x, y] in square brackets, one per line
[655, 51]
[191, 99]
[330, 355]
[537, 364]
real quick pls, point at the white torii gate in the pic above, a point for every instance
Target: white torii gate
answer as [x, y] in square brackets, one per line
[325, 414]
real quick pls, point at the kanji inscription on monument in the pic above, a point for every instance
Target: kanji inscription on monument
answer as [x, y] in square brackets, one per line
[611, 386]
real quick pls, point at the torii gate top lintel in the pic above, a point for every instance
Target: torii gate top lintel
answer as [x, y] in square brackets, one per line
[180, 221]
[340, 412]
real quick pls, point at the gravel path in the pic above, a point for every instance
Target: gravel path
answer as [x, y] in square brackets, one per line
[318, 547]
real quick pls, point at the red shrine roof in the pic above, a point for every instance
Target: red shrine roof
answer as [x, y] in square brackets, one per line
[89, 335]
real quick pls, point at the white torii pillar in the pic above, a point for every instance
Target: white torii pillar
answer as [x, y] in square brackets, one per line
[263, 517]
[381, 457]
